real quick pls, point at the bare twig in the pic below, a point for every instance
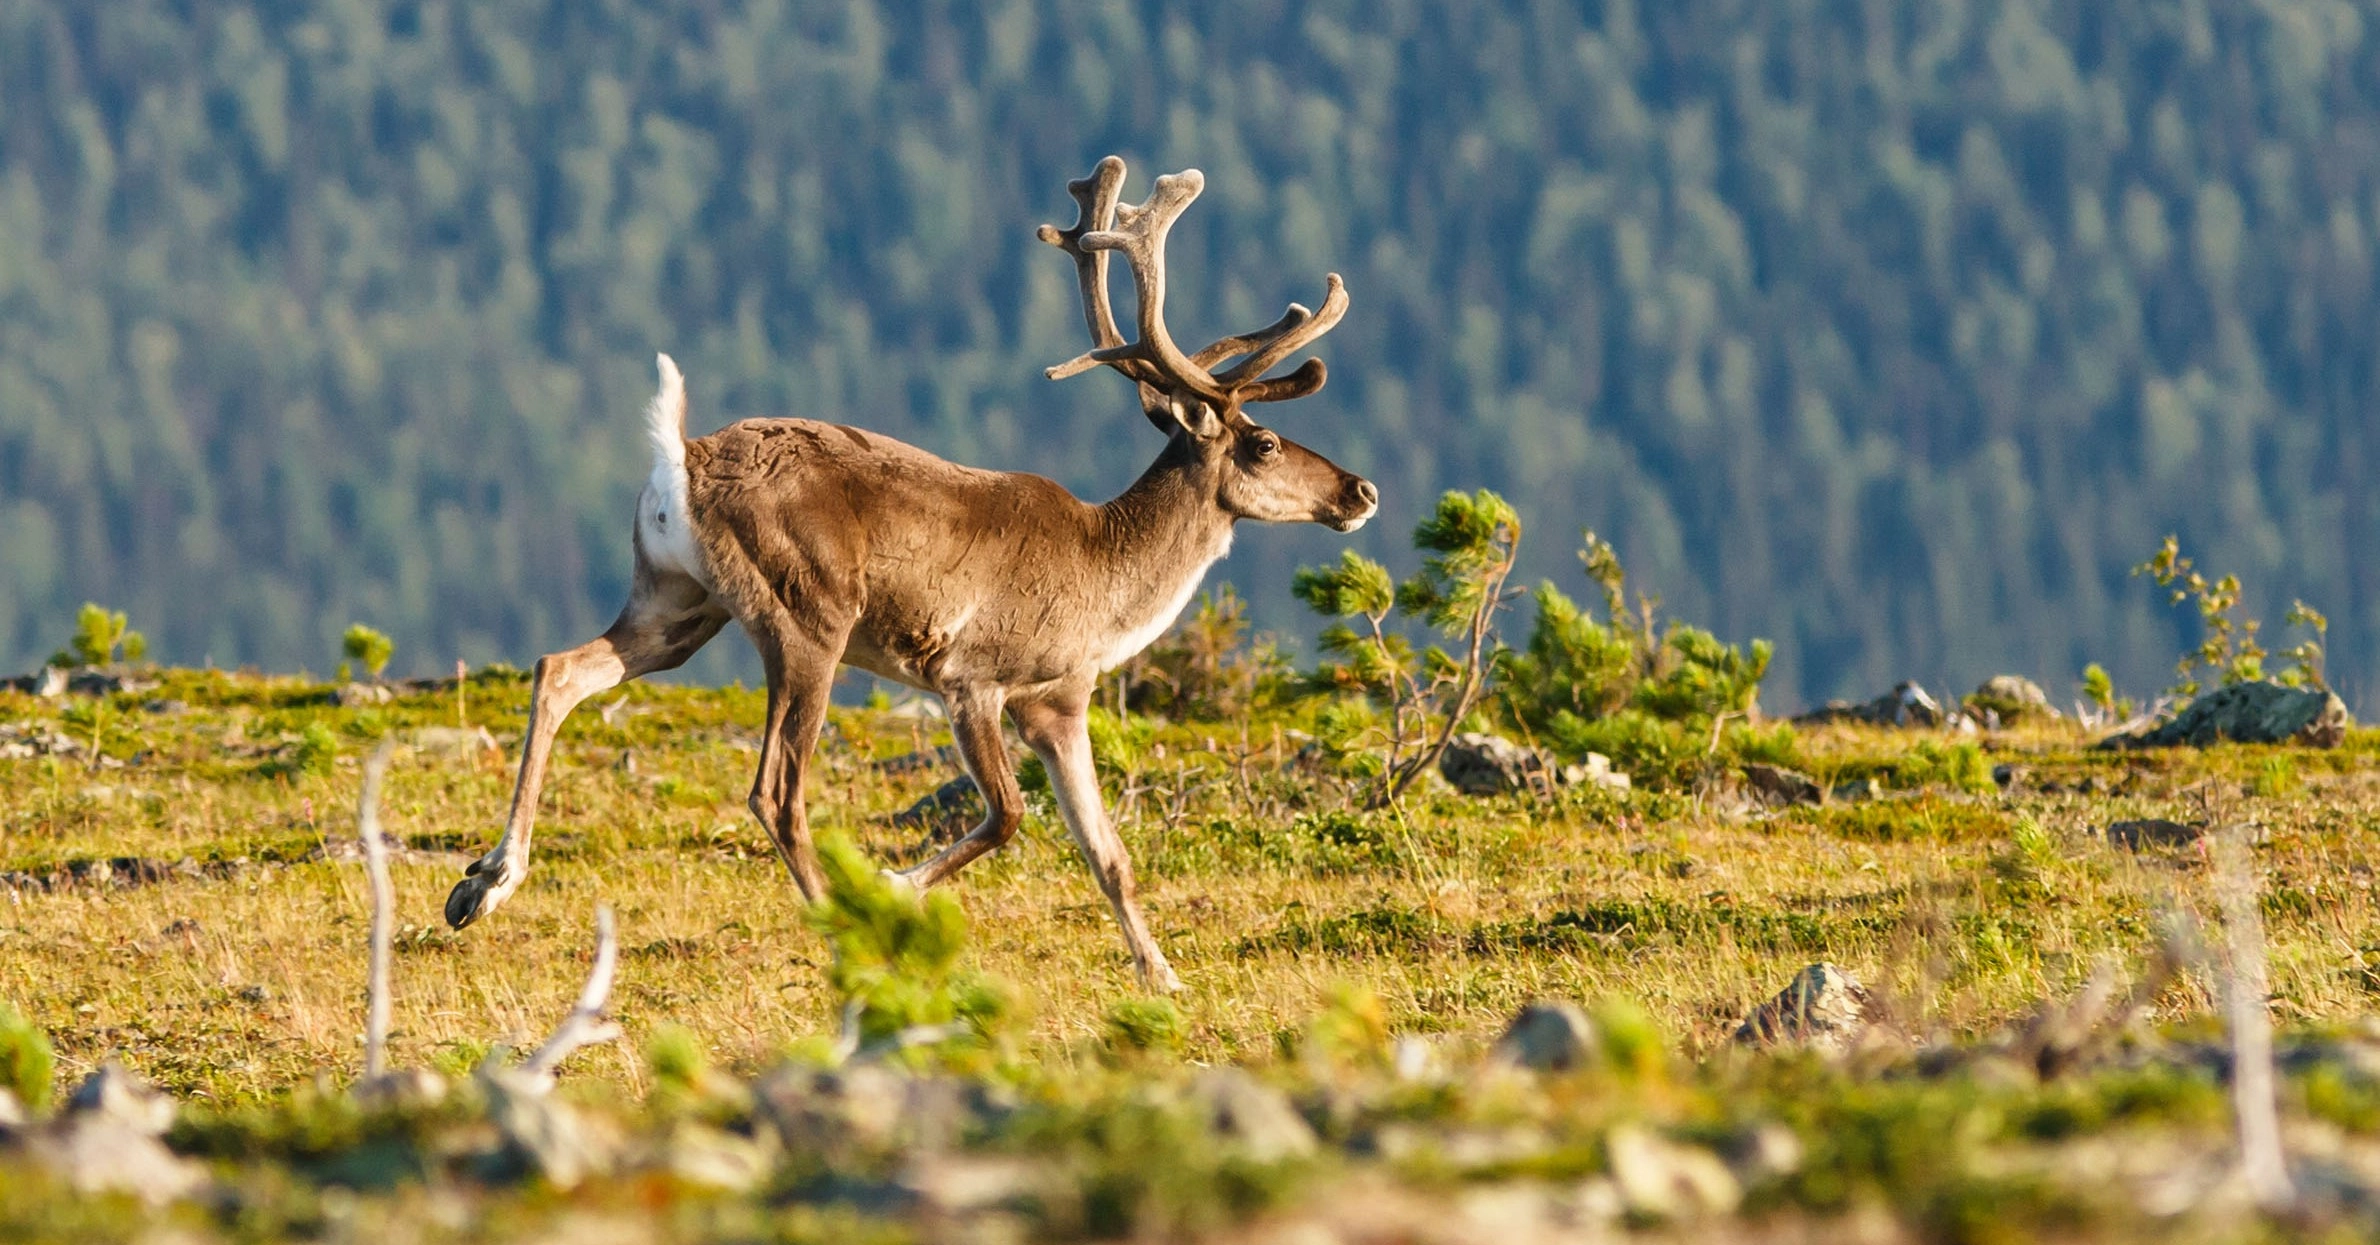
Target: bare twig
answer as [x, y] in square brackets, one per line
[586, 1025]
[2245, 989]
[384, 904]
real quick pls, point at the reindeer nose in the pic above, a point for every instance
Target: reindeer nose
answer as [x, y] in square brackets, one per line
[1366, 498]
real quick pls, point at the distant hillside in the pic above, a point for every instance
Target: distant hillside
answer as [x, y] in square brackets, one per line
[1894, 332]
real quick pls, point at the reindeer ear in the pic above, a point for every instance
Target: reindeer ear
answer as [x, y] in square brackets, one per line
[1191, 415]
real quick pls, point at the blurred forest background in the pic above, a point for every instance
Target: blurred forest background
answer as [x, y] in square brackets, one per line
[1895, 331]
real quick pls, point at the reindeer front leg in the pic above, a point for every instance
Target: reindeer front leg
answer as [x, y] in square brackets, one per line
[1060, 736]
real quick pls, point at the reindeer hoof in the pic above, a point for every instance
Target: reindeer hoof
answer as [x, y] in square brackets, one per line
[475, 896]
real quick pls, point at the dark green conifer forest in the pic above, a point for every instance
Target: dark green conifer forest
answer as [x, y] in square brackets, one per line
[1895, 331]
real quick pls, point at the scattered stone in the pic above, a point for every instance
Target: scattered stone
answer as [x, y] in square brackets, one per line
[955, 1185]
[1906, 705]
[2154, 832]
[947, 814]
[1547, 1036]
[1596, 769]
[2262, 712]
[356, 695]
[1481, 764]
[1824, 1009]
[1252, 1116]
[1763, 1153]
[1779, 787]
[1661, 1179]
[867, 1108]
[115, 871]
[911, 762]
[714, 1157]
[105, 1140]
[545, 1135]
[116, 1095]
[1858, 791]
[1484, 765]
[2005, 699]
[405, 1089]
[454, 740]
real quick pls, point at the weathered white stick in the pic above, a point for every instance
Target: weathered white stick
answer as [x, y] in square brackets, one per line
[586, 1025]
[384, 904]
[2245, 989]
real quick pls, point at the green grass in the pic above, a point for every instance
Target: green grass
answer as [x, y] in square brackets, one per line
[239, 986]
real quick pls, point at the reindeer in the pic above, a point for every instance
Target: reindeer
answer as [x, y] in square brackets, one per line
[996, 591]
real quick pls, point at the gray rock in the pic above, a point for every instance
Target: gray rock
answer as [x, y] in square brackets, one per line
[2250, 713]
[118, 1096]
[548, 1136]
[1547, 1036]
[1779, 787]
[1596, 770]
[2012, 698]
[99, 1153]
[867, 1108]
[2153, 832]
[453, 740]
[1251, 1115]
[1824, 1009]
[1479, 764]
[1662, 1179]
[404, 1089]
[356, 695]
[949, 812]
[1482, 764]
[714, 1157]
[1858, 791]
[1906, 705]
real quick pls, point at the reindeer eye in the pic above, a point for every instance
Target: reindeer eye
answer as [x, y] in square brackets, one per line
[1267, 445]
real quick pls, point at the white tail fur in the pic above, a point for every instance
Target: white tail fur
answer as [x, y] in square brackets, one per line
[667, 528]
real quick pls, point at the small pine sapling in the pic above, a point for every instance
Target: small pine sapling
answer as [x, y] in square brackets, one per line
[1469, 543]
[896, 961]
[26, 1062]
[100, 635]
[2101, 706]
[368, 649]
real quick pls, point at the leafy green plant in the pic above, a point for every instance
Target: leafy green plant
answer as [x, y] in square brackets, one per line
[26, 1063]
[2100, 692]
[1137, 1026]
[1647, 696]
[368, 649]
[315, 752]
[100, 635]
[1470, 542]
[1210, 667]
[896, 957]
[2229, 650]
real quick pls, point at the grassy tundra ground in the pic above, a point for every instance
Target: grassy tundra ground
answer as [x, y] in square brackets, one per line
[237, 980]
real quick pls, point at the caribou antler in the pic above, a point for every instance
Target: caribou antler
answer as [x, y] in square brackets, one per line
[1155, 362]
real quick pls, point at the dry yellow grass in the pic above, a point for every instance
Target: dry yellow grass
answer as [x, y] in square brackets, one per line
[1265, 889]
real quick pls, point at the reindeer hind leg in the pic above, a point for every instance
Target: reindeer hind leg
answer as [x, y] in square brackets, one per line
[666, 620]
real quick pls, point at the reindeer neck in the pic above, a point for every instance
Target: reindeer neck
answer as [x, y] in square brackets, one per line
[1167, 529]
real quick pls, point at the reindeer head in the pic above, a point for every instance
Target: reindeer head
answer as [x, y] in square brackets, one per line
[1258, 473]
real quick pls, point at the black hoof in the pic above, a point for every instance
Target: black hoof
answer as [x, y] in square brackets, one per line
[463, 902]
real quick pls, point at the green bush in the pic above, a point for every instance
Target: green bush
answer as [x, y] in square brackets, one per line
[100, 635]
[26, 1063]
[896, 955]
[1144, 1026]
[368, 649]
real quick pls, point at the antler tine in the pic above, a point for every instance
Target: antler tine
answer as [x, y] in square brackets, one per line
[1095, 210]
[1244, 342]
[1140, 235]
[1288, 341]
